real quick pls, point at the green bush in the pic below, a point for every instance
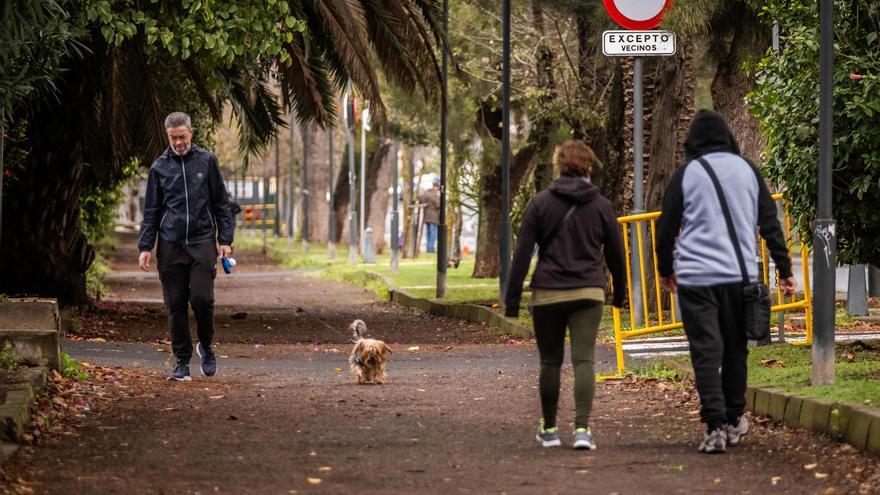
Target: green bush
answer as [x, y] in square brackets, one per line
[71, 369]
[8, 359]
[786, 102]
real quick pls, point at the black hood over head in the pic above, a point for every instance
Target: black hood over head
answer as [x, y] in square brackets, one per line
[577, 189]
[708, 133]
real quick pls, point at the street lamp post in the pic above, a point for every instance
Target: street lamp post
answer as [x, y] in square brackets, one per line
[304, 189]
[505, 151]
[444, 111]
[331, 221]
[352, 208]
[824, 237]
[395, 215]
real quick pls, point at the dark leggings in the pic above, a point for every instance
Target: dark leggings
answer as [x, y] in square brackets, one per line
[582, 318]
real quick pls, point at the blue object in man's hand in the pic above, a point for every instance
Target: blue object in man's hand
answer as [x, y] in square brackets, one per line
[227, 263]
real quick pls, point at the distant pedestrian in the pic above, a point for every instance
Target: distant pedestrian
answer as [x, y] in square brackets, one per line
[431, 199]
[698, 258]
[188, 209]
[573, 227]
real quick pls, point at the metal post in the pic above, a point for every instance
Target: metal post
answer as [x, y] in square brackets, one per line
[291, 186]
[2, 145]
[395, 215]
[775, 36]
[442, 254]
[331, 221]
[824, 238]
[277, 225]
[638, 189]
[265, 203]
[352, 206]
[304, 190]
[505, 151]
[254, 190]
[363, 177]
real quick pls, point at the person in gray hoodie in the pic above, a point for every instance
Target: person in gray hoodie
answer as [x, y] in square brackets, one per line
[696, 258]
[573, 227]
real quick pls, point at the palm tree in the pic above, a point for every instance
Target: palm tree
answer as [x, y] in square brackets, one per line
[113, 98]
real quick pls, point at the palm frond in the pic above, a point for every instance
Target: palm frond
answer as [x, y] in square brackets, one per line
[256, 110]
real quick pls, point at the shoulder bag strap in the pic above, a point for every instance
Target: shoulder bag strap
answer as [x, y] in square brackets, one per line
[731, 230]
[548, 241]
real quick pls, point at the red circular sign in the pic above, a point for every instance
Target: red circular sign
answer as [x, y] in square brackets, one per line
[637, 14]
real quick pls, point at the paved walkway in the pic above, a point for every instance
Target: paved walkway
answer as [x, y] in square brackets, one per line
[457, 416]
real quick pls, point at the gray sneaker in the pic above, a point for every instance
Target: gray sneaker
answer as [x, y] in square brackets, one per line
[736, 432]
[583, 439]
[180, 372]
[548, 437]
[715, 442]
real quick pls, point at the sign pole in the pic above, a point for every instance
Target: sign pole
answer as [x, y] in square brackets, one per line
[638, 187]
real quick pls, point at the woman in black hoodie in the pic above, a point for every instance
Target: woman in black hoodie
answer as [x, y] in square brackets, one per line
[572, 224]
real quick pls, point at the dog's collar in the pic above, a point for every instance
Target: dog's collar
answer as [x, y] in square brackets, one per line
[358, 360]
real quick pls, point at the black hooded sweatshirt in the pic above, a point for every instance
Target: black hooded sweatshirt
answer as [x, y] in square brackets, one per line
[573, 259]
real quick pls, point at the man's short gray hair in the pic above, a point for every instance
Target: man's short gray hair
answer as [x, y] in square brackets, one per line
[177, 119]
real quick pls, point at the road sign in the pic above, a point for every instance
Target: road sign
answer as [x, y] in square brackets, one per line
[638, 43]
[637, 14]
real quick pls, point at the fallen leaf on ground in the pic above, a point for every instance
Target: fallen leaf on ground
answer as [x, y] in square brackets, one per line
[337, 369]
[820, 476]
[169, 409]
[325, 469]
[809, 467]
[776, 479]
[314, 481]
[772, 363]
[413, 348]
[216, 396]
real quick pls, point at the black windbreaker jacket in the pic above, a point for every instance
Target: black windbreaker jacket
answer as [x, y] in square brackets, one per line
[186, 201]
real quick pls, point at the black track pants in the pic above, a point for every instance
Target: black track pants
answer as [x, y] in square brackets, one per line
[713, 322]
[187, 274]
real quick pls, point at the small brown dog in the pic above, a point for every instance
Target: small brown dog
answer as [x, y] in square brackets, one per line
[368, 356]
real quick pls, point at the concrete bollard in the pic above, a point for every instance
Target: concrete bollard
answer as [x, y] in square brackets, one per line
[857, 291]
[369, 247]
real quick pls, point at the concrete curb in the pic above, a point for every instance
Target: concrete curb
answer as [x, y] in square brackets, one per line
[469, 312]
[855, 424]
[15, 412]
[462, 311]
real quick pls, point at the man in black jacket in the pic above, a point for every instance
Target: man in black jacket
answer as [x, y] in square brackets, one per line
[187, 208]
[697, 258]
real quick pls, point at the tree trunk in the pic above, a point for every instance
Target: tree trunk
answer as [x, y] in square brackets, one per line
[673, 108]
[378, 182]
[732, 83]
[341, 194]
[44, 252]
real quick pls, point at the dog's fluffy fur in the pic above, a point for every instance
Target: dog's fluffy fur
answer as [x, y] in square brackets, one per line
[368, 356]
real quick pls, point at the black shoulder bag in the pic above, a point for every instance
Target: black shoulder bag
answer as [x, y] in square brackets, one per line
[756, 297]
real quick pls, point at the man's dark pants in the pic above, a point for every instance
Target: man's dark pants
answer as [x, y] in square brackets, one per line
[713, 322]
[187, 274]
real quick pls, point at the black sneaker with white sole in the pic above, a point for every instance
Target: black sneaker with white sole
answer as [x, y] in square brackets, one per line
[209, 361]
[180, 372]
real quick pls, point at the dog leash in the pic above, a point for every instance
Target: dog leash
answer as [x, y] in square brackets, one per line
[299, 309]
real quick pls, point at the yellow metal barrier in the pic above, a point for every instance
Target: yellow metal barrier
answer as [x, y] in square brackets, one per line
[656, 322]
